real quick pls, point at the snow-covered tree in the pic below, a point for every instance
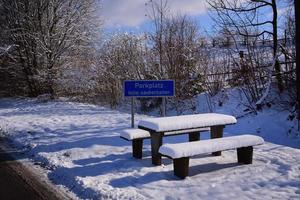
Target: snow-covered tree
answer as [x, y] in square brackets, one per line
[46, 32]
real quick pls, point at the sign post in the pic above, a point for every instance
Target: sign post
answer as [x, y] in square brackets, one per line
[132, 112]
[148, 88]
[164, 106]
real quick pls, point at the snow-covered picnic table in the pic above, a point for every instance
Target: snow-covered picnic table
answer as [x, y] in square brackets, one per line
[160, 126]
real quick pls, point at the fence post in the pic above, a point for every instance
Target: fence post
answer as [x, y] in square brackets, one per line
[241, 54]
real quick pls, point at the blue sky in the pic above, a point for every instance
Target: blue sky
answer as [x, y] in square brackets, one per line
[129, 15]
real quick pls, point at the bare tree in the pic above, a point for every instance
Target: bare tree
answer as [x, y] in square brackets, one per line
[46, 31]
[121, 58]
[180, 55]
[245, 18]
[158, 11]
[174, 41]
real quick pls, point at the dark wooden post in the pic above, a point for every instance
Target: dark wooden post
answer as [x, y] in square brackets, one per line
[216, 132]
[194, 136]
[297, 17]
[181, 167]
[241, 54]
[245, 155]
[137, 148]
[156, 142]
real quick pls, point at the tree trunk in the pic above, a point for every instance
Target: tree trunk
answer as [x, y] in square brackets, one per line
[50, 83]
[32, 90]
[275, 46]
[297, 16]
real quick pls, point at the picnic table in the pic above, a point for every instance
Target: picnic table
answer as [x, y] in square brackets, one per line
[160, 126]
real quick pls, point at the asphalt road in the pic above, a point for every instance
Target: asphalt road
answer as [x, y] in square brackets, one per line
[18, 182]
[12, 185]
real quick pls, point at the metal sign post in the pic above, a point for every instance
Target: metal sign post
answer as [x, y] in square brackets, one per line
[164, 106]
[149, 88]
[132, 112]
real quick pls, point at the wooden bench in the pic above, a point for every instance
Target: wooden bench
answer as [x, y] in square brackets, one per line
[162, 126]
[137, 137]
[181, 152]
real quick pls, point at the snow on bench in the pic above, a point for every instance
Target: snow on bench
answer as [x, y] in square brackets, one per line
[137, 136]
[163, 124]
[134, 133]
[181, 152]
[207, 146]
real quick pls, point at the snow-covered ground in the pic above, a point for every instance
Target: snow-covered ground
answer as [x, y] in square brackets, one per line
[78, 148]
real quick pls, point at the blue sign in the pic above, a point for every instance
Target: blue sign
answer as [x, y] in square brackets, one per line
[149, 88]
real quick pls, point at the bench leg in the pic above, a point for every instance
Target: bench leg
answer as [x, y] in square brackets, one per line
[194, 136]
[137, 148]
[181, 167]
[156, 142]
[216, 132]
[245, 155]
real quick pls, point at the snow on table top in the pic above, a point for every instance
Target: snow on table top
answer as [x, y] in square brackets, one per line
[161, 124]
[188, 149]
[134, 133]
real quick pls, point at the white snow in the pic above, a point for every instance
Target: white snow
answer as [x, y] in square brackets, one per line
[79, 149]
[161, 124]
[134, 133]
[177, 132]
[188, 149]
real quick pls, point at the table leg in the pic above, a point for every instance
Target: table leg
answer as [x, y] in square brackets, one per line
[137, 148]
[156, 142]
[195, 136]
[216, 132]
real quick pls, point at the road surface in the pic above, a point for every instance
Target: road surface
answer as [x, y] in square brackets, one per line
[18, 182]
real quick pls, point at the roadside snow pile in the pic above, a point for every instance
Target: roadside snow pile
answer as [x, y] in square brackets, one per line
[79, 148]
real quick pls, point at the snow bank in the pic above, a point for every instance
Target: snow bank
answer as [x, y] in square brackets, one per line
[189, 149]
[78, 148]
[161, 124]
